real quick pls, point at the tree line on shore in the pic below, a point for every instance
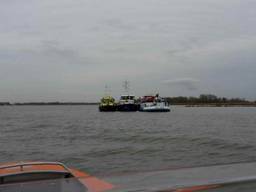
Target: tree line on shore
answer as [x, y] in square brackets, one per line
[49, 103]
[208, 99]
[203, 99]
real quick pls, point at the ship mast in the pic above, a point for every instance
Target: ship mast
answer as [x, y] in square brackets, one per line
[126, 86]
[107, 90]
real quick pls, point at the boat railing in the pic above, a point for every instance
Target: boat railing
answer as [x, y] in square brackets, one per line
[26, 164]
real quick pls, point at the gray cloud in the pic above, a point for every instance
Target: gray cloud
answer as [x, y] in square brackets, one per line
[185, 83]
[67, 50]
[53, 50]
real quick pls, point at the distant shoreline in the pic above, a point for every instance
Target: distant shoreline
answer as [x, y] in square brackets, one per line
[204, 100]
[221, 105]
[95, 103]
[46, 103]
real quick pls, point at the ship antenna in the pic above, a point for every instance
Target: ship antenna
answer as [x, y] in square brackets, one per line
[126, 86]
[107, 90]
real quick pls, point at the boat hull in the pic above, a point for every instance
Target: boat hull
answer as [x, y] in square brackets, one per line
[150, 107]
[107, 108]
[155, 110]
[127, 107]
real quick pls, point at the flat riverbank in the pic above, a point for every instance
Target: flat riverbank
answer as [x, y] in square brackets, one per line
[47, 103]
[219, 105]
[172, 104]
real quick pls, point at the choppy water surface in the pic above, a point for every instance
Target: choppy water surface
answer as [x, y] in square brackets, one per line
[101, 143]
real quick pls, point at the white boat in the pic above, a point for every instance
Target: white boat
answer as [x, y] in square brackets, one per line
[127, 103]
[154, 104]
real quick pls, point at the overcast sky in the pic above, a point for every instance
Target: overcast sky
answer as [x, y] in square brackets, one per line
[68, 50]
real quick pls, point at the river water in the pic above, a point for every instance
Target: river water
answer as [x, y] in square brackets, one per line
[114, 142]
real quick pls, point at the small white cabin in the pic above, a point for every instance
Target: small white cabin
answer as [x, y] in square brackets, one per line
[127, 99]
